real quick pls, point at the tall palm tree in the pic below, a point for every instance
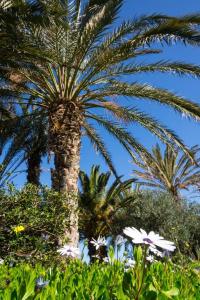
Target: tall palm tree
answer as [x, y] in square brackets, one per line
[33, 142]
[10, 146]
[23, 138]
[99, 203]
[76, 69]
[25, 133]
[35, 148]
[170, 171]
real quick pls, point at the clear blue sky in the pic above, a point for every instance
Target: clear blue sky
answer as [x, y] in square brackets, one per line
[187, 87]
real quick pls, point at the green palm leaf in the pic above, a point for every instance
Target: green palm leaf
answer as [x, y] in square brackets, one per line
[169, 171]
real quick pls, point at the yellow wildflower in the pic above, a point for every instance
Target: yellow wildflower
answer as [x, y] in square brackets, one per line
[18, 229]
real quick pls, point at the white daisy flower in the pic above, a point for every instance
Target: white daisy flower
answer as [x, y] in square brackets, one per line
[150, 258]
[40, 283]
[129, 263]
[106, 259]
[101, 241]
[96, 256]
[152, 239]
[69, 251]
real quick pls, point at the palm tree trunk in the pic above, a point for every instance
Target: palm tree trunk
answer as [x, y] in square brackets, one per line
[175, 194]
[33, 168]
[64, 140]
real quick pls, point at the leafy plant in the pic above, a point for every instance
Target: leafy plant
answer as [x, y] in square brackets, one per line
[157, 211]
[31, 222]
[100, 281]
[99, 203]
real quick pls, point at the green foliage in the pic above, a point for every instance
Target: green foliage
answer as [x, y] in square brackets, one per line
[158, 212]
[169, 171]
[44, 215]
[99, 202]
[100, 281]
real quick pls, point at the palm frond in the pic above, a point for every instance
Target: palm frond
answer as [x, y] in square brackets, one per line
[169, 171]
[144, 91]
[98, 142]
[125, 138]
[132, 114]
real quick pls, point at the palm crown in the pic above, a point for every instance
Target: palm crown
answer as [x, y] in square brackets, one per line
[70, 62]
[170, 171]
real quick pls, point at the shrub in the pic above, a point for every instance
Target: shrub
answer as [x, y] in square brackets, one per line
[32, 221]
[158, 212]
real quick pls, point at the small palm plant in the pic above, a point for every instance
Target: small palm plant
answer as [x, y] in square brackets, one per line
[99, 203]
[170, 171]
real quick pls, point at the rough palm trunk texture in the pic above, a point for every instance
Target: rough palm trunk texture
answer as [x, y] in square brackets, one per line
[64, 140]
[33, 168]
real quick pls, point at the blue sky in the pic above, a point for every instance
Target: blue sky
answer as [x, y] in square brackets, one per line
[189, 131]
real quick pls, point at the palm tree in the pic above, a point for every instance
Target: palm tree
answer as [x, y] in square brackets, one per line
[23, 138]
[35, 148]
[99, 204]
[170, 171]
[25, 133]
[10, 145]
[33, 142]
[74, 65]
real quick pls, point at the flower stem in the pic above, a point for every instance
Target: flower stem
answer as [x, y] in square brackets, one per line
[143, 272]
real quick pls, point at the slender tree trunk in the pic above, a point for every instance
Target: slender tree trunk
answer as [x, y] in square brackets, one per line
[91, 252]
[176, 195]
[33, 168]
[65, 122]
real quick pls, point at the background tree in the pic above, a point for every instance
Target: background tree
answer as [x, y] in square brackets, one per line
[99, 203]
[11, 140]
[170, 171]
[156, 211]
[34, 144]
[73, 62]
[20, 133]
[23, 138]
[35, 148]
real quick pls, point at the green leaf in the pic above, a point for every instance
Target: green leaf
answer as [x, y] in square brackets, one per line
[138, 254]
[169, 294]
[152, 288]
[111, 253]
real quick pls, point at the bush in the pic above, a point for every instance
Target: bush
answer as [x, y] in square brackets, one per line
[32, 221]
[158, 212]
